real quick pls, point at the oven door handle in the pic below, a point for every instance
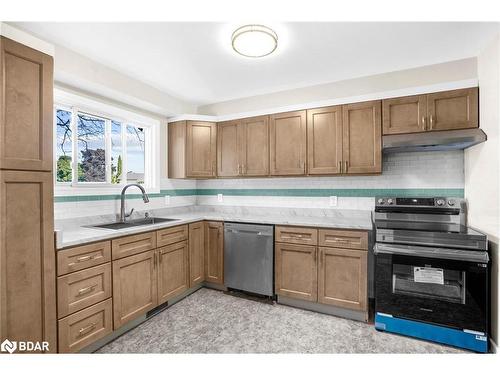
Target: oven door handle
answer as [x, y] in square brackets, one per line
[432, 252]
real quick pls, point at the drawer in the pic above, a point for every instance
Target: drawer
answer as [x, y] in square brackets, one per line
[78, 258]
[347, 239]
[85, 327]
[169, 236]
[130, 245]
[81, 289]
[302, 236]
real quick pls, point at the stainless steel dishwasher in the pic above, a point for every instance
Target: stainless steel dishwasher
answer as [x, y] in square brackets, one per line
[249, 258]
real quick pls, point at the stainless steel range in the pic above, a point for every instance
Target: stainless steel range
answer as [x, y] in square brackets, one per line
[431, 272]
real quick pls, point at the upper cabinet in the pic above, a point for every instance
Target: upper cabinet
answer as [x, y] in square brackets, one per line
[288, 143]
[192, 149]
[26, 113]
[324, 140]
[362, 138]
[243, 147]
[447, 110]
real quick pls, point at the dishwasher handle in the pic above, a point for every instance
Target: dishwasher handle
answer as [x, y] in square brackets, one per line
[257, 233]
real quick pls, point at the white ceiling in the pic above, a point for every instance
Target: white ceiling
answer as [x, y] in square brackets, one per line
[194, 61]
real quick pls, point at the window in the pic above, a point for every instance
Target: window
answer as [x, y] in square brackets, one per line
[95, 148]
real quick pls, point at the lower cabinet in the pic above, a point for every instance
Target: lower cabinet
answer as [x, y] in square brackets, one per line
[214, 252]
[196, 253]
[342, 278]
[134, 286]
[296, 271]
[173, 271]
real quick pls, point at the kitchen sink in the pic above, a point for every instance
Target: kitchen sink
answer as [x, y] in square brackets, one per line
[134, 223]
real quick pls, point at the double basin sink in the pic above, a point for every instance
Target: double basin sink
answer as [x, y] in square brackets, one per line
[133, 223]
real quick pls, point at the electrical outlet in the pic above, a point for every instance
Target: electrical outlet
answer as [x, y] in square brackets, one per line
[167, 200]
[219, 197]
[333, 201]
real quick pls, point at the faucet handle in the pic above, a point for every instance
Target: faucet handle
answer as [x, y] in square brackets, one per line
[130, 213]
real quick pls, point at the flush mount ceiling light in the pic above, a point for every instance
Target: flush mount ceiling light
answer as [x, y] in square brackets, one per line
[254, 41]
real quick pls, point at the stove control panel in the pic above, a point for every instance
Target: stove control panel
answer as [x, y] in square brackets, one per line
[420, 202]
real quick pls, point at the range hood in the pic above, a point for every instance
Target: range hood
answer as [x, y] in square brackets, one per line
[433, 141]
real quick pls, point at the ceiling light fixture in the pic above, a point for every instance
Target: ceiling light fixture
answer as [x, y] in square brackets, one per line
[254, 41]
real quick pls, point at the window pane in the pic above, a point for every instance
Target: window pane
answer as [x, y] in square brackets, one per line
[64, 151]
[91, 149]
[116, 152]
[135, 154]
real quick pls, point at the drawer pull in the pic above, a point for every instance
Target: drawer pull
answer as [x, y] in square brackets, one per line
[85, 258]
[87, 289]
[87, 329]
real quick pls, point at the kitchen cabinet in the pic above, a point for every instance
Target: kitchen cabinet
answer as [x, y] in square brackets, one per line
[26, 113]
[404, 115]
[196, 253]
[362, 138]
[296, 271]
[130, 245]
[288, 143]
[243, 147]
[450, 110]
[342, 278]
[173, 271]
[27, 258]
[214, 252]
[324, 141]
[81, 257]
[446, 110]
[134, 286]
[192, 149]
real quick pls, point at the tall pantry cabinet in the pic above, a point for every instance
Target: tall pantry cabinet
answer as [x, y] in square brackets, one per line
[27, 256]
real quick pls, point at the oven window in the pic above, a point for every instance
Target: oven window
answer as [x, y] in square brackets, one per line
[428, 282]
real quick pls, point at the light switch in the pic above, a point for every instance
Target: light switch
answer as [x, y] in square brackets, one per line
[167, 200]
[333, 201]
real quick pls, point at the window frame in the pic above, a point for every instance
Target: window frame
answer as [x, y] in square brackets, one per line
[75, 103]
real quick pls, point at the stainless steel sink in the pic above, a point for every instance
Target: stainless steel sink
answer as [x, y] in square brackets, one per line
[134, 223]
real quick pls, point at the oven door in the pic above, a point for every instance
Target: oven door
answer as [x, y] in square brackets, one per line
[423, 286]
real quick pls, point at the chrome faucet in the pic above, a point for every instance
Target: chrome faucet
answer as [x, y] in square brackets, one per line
[145, 198]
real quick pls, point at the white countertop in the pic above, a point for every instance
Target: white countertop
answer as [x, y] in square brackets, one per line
[78, 235]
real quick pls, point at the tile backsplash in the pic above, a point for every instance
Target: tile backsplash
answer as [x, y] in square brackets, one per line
[412, 173]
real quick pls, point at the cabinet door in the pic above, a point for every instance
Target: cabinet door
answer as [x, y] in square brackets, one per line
[457, 109]
[201, 143]
[362, 147]
[324, 140]
[296, 271]
[404, 115]
[342, 278]
[196, 253]
[173, 271]
[214, 252]
[288, 143]
[134, 287]
[27, 258]
[254, 151]
[177, 149]
[26, 112]
[228, 145]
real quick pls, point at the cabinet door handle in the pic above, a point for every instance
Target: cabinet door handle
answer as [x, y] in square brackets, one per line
[431, 120]
[340, 166]
[423, 122]
[239, 169]
[87, 329]
[154, 260]
[87, 289]
[346, 166]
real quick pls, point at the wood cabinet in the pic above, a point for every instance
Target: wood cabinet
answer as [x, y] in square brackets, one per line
[134, 286]
[362, 139]
[296, 271]
[351, 239]
[169, 236]
[404, 115]
[26, 112]
[27, 258]
[196, 253]
[214, 252]
[296, 235]
[324, 141]
[450, 110]
[288, 143]
[192, 149]
[173, 271]
[447, 110]
[342, 278]
[81, 257]
[243, 147]
[135, 244]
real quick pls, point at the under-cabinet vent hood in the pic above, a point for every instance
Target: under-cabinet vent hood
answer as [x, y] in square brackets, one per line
[433, 141]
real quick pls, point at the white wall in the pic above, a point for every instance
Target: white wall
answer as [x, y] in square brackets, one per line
[405, 82]
[482, 166]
